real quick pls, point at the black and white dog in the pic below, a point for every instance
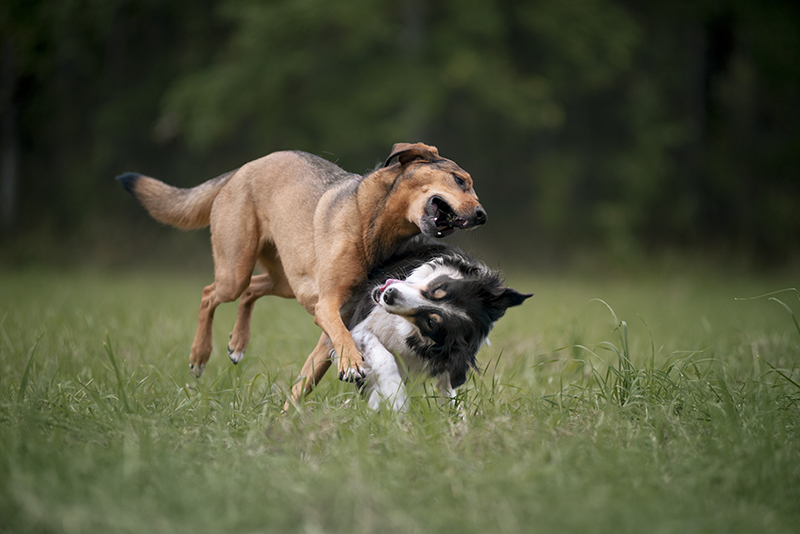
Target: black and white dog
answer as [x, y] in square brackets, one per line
[426, 311]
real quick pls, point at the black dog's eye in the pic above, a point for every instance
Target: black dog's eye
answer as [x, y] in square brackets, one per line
[431, 321]
[439, 293]
[460, 182]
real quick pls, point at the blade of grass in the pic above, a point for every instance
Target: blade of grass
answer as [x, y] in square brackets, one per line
[614, 315]
[110, 353]
[788, 289]
[791, 312]
[4, 333]
[780, 373]
[788, 309]
[24, 384]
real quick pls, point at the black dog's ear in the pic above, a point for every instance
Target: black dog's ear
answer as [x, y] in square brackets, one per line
[504, 299]
[406, 152]
[512, 297]
[457, 378]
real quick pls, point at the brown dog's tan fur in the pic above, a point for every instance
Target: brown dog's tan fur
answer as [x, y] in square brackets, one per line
[317, 364]
[314, 229]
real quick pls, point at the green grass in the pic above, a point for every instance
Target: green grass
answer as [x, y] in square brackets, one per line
[667, 406]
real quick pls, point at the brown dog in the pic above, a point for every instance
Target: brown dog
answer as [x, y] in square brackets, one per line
[315, 229]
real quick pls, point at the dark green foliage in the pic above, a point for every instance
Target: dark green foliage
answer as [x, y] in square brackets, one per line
[586, 123]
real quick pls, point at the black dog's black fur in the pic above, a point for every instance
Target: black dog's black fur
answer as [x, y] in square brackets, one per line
[480, 294]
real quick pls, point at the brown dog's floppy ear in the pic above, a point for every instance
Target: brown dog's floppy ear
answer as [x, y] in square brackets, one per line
[405, 152]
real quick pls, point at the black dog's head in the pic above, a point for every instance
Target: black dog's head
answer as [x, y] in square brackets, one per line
[452, 304]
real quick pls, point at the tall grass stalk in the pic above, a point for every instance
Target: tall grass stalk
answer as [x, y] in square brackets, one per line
[120, 384]
[786, 307]
[23, 387]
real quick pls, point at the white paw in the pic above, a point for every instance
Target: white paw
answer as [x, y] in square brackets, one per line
[236, 357]
[197, 370]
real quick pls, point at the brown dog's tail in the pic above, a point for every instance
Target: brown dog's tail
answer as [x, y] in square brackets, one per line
[184, 208]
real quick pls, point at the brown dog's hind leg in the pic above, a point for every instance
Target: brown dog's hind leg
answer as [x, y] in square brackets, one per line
[213, 295]
[224, 289]
[260, 285]
[273, 282]
[233, 243]
[201, 347]
[314, 369]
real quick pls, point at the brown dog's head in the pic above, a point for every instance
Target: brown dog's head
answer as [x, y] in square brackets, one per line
[440, 193]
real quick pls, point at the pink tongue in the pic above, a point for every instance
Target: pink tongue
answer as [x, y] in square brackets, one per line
[389, 282]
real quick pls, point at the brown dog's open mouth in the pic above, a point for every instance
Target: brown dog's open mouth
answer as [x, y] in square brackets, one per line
[441, 218]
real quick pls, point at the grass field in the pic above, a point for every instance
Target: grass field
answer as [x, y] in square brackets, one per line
[682, 414]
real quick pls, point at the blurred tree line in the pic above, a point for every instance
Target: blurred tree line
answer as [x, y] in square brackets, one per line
[621, 126]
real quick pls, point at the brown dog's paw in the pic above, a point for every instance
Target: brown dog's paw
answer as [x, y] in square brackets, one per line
[197, 370]
[352, 375]
[235, 355]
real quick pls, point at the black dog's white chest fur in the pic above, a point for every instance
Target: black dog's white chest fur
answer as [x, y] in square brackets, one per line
[431, 307]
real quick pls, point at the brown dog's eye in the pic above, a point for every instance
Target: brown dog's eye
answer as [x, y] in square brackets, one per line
[460, 182]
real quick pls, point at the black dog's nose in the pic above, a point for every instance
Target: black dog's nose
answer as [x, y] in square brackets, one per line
[480, 217]
[389, 295]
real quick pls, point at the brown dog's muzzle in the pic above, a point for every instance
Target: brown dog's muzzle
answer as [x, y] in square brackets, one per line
[480, 216]
[441, 219]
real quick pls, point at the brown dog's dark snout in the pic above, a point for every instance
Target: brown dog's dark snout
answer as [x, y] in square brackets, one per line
[477, 218]
[480, 217]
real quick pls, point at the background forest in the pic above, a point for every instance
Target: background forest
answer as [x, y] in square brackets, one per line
[640, 165]
[627, 128]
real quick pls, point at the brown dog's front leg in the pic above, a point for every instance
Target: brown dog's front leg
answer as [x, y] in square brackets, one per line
[317, 364]
[350, 362]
